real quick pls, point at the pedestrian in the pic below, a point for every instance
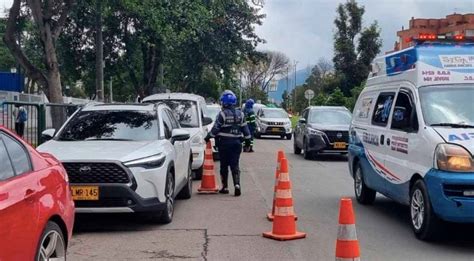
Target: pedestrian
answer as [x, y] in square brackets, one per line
[21, 116]
[230, 129]
[250, 118]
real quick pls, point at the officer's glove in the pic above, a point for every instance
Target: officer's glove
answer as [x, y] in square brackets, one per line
[207, 138]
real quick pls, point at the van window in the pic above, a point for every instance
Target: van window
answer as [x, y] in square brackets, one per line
[403, 113]
[383, 108]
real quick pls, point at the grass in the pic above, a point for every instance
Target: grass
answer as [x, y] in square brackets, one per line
[294, 121]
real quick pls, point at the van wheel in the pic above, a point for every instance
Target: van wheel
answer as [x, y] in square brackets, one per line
[424, 222]
[364, 194]
[187, 190]
[52, 244]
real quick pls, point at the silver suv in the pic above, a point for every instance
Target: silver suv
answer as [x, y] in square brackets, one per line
[273, 121]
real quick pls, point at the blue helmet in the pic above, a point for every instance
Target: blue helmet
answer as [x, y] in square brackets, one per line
[249, 103]
[228, 98]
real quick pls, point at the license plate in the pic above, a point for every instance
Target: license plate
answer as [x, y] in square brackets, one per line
[340, 145]
[85, 192]
[276, 129]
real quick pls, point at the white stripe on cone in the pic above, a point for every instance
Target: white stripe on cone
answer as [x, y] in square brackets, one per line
[208, 172]
[347, 232]
[284, 176]
[283, 193]
[347, 259]
[284, 211]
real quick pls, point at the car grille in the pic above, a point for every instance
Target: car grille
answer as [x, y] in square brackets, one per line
[451, 190]
[332, 136]
[95, 172]
[274, 123]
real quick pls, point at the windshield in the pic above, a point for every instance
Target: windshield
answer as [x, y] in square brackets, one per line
[448, 104]
[212, 111]
[185, 112]
[273, 114]
[330, 117]
[111, 125]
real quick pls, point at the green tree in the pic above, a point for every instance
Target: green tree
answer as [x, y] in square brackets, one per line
[352, 59]
[336, 98]
[6, 59]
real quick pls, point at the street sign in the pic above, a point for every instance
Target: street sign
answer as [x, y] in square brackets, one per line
[309, 94]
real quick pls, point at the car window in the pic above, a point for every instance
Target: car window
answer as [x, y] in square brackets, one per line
[186, 112]
[18, 155]
[167, 124]
[382, 109]
[6, 171]
[330, 117]
[273, 114]
[403, 113]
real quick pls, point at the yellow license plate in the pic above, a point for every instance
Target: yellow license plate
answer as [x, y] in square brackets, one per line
[275, 129]
[340, 145]
[85, 192]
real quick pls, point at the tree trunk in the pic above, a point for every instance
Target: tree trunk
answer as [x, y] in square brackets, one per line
[99, 51]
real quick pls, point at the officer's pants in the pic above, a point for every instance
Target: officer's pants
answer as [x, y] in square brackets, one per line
[229, 154]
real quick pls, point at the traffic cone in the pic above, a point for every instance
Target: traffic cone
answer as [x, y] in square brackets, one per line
[347, 245]
[284, 224]
[280, 156]
[208, 181]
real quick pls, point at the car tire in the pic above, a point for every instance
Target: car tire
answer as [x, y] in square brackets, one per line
[424, 222]
[364, 195]
[167, 214]
[198, 173]
[288, 136]
[187, 191]
[296, 149]
[52, 230]
[282, 137]
[306, 153]
[257, 135]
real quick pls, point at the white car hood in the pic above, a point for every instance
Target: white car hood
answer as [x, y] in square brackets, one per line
[463, 137]
[100, 150]
[275, 119]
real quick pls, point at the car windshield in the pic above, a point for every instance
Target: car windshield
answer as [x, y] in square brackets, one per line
[111, 125]
[330, 117]
[212, 111]
[273, 114]
[185, 112]
[445, 105]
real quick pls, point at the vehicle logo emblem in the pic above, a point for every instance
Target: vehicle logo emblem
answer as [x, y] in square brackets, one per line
[339, 135]
[85, 169]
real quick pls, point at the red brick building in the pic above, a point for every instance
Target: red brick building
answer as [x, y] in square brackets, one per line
[451, 25]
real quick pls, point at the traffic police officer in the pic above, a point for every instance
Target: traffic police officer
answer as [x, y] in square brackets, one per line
[230, 129]
[250, 118]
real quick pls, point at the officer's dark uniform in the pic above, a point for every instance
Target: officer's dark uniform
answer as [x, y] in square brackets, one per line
[230, 129]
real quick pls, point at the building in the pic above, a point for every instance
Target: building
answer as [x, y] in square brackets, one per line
[451, 25]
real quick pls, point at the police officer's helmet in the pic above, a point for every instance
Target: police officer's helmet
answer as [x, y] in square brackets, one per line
[249, 103]
[228, 98]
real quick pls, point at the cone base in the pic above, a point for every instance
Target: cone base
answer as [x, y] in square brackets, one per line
[208, 190]
[271, 235]
[270, 217]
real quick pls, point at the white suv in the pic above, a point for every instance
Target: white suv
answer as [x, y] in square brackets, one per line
[189, 110]
[124, 158]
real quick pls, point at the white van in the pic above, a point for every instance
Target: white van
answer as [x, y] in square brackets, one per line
[412, 134]
[190, 111]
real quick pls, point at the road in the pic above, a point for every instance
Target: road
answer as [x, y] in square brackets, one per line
[222, 227]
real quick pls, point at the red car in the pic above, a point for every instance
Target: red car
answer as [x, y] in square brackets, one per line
[36, 206]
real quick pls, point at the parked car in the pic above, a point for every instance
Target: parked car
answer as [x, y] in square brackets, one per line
[36, 207]
[124, 158]
[212, 110]
[273, 121]
[189, 110]
[322, 129]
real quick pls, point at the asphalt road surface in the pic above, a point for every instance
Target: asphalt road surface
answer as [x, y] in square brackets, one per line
[222, 227]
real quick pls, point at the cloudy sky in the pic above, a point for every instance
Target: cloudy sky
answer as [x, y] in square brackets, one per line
[303, 29]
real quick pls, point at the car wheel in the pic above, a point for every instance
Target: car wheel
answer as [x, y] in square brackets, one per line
[424, 221]
[167, 214]
[296, 149]
[198, 173]
[52, 245]
[282, 137]
[364, 194]
[306, 153]
[257, 135]
[187, 190]
[288, 136]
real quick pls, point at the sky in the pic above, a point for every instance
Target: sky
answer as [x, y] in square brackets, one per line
[303, 29]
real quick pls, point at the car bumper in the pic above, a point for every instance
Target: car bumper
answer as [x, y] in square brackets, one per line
[319, 143]
[118, 199]
[274, 130]
[198, 156]
[451, 195]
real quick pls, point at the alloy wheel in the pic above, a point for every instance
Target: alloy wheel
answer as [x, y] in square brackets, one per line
[417, 209]
[52, 247]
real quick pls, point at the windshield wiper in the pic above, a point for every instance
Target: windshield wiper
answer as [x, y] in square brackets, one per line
[114, 139]
[452, 125]
[66, 139]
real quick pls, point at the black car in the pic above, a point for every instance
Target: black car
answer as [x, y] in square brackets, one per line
[322, 129]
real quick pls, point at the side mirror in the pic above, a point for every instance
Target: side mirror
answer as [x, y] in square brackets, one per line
[48, 134]
[179, 135]
[302, 120]
[206, 121]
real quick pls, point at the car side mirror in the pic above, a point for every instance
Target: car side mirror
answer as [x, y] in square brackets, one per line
[206, 121]
[179, 135]
[48, 134]
[302, 120]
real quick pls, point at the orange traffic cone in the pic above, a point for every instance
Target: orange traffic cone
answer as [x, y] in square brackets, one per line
[280, 156]
[208, 182]
[284, 224]
[347, 245]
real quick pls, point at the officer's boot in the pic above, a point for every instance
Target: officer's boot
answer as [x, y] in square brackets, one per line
[251, 149]
[224, 189]
[236, 178]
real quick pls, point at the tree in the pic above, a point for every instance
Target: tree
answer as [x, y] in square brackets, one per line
[285, 100]
[336, 98]
[351, 64]
[6, 59]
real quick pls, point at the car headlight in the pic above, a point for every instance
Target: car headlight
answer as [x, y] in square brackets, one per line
[450, 157]
[151, 162]
[197, 140]
[315, 132]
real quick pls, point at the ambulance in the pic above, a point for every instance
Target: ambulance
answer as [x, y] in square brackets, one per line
[412, 132]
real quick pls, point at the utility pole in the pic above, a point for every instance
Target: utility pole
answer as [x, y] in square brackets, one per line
[99, 53]
[294, 98]
[111, 94]
[287, 88]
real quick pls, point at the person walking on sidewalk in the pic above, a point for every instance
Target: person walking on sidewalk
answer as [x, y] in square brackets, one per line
[250, 118]
[21, 117]
[230, 129]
